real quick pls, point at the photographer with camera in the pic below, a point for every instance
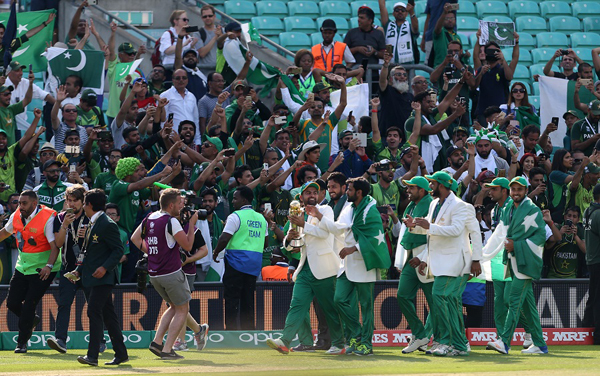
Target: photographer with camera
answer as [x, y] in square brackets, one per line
[160, 235]
[569, 62]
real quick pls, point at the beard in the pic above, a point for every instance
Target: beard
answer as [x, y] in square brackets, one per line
[402, 87]
[311, 201]
[52, 178]
[436, 192]
[209, 209]
[514, 198]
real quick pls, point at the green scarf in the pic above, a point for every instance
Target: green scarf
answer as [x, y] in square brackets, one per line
[411, 240]
[367, 229]
[525, 117]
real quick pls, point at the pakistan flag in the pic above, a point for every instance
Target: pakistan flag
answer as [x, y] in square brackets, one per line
[30, 52]
[500, 32]
[367, 229]
[87, 64]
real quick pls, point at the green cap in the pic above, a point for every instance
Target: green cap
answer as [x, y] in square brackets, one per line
[127, 48]
[320, 86]
[519, 180]
[454, 186]
[570, 112]
[88, 94]
[441, 177]
[15, 66]
[418, 181]
[216, 141]
[310, 184]
[2, 131]
[204, 165]
[595, 107]
[344, 133]
[499, 182]
[591, 169]
[4, 88]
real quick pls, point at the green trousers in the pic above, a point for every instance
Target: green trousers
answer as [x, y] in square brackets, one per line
[501, 302]
[407, 291]
[445, 298]
[522, 301]
[462, 284]
[345, 290]
[297, 320]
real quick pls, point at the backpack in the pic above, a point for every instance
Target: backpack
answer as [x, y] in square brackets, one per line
[155, 58]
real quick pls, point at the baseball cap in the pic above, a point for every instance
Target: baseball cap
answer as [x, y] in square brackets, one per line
[570, 112]
[595, 107]
[204, 165]
[14, 66]
[127, 48]
[484, 175]
[441, 177]
[460, 129]
[320, 86]
[404, 151]
[451, 150]
[233, 26]
[310, 184]
[329, 24]
[71, 132]
[4, 88]
[418, 181]
[237, 83]
[454, 186]
[519, 180]
[88, 94]
[309, 146]
[591, 169]
[2, 131]
[50, 163]
[344, 133]
[191, 51]
[499, 182]
[399, 4]
[215, 141]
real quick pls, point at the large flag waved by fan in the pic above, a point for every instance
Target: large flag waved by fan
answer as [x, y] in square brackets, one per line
[87, 64]
[259, 74]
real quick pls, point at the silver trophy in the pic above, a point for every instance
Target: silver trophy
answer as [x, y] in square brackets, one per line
[297, 209]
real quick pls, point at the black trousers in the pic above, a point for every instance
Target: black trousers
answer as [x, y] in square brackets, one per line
[24, 294]
[239, 299]
[591, 317]
[101, 313]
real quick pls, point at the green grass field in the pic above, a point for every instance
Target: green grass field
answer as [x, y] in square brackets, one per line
[563, 360]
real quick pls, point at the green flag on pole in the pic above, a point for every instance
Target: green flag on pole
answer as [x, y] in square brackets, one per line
[31, 51]
[123, 69]
[87, 64]
[294, 92]
[367, 229]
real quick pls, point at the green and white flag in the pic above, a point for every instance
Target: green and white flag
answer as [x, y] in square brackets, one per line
[367, 229]
[31, 51]
[215, 272]
[123, 69]
[556, 98]
[259, 74]
[499, 32]
[87, 64]
[527, 229]
[294, 92]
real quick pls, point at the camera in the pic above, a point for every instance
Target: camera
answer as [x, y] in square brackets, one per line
[490, 54]
[448, 71]
[564, 52]
[568, 222]
[141, 269]
[385, 165]
[190, 203]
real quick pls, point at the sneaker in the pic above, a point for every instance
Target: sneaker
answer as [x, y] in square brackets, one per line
[351, 348]
[468, 347]
[442, 350]
[499, 346]
[415, 344]
[21, 348]
[363, 350]
[434, 346]
[201, 336]
[533, 349]
[58, 345]
[321, 345]
[277, 344]
[302, 348]
[334, 350]
[155, 348]
[180, 346]
[527, 342]
[102, 347]
[170, 355]
[456, 352]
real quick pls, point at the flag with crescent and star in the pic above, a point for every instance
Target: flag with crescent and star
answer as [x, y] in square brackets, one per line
[30, 52]
[367, 229]
[527, 230]
[87, 64]
[499, 32]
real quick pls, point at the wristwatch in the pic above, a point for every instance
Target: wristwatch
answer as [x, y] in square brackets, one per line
[50, 266]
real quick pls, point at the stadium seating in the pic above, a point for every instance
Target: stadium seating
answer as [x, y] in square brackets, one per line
[491, 8]
[521, 73]
[535, 101]
[555, 8]
[422, 73]
[240, 9]
[295, 41]
[269, 26]
[591, 24]
[536, 88]
[565, 24]
[527, 41]
[465, 41]
[523, 8]
[498, 19]
[586, 9]
[536, 69]
[585, 40]
[354, 22]
[421, 5]
[585, 53]
[340, 22]
[371, 4]
[531, 24]
[300, 24]
[542, 55]
[465, 24]
[421, 23]
[304, 8]
[271, 8]
[337, 8]
[466, 9]
[552, 39]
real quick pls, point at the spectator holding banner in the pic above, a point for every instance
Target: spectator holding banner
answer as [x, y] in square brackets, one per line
[401, 33]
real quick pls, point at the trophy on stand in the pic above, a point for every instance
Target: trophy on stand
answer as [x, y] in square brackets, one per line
[297, 209]
[75, 274]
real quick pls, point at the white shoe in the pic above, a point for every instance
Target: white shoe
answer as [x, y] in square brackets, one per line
[434, 346]
[442, 350]
[180, 346]
[527, 342]
[334, 350]
[415, 344]
[456, 352]
[468, 347]
[499, 346]
[533, 349]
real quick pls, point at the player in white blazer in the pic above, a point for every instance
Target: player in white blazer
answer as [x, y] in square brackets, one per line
[315, 276]
[445, 258]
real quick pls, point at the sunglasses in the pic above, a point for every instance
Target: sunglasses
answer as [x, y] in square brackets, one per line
[53, 171]
[70, 110]
[518, 90]
[207, 145]
[47, 154]
[208, 16]
[158, 71]
[400, 10]
[14, 202]
[577, 160]
[180, 78]
[186, 19]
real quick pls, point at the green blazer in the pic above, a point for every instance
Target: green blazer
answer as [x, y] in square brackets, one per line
[104, 249]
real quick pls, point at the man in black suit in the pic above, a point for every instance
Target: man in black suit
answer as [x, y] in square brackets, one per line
[103, 250]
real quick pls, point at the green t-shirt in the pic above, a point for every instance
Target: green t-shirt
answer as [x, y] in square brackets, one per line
[440, 45]
[583, 197]
[8, 167]
[273, 245]
[390, 196]
[87, 118]
[306, 127]
[563, 257]
[584, 130]
[8, 122]
[125, 241]
[105, 182]
[280, 204]
[129, 203]
[114, 90]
